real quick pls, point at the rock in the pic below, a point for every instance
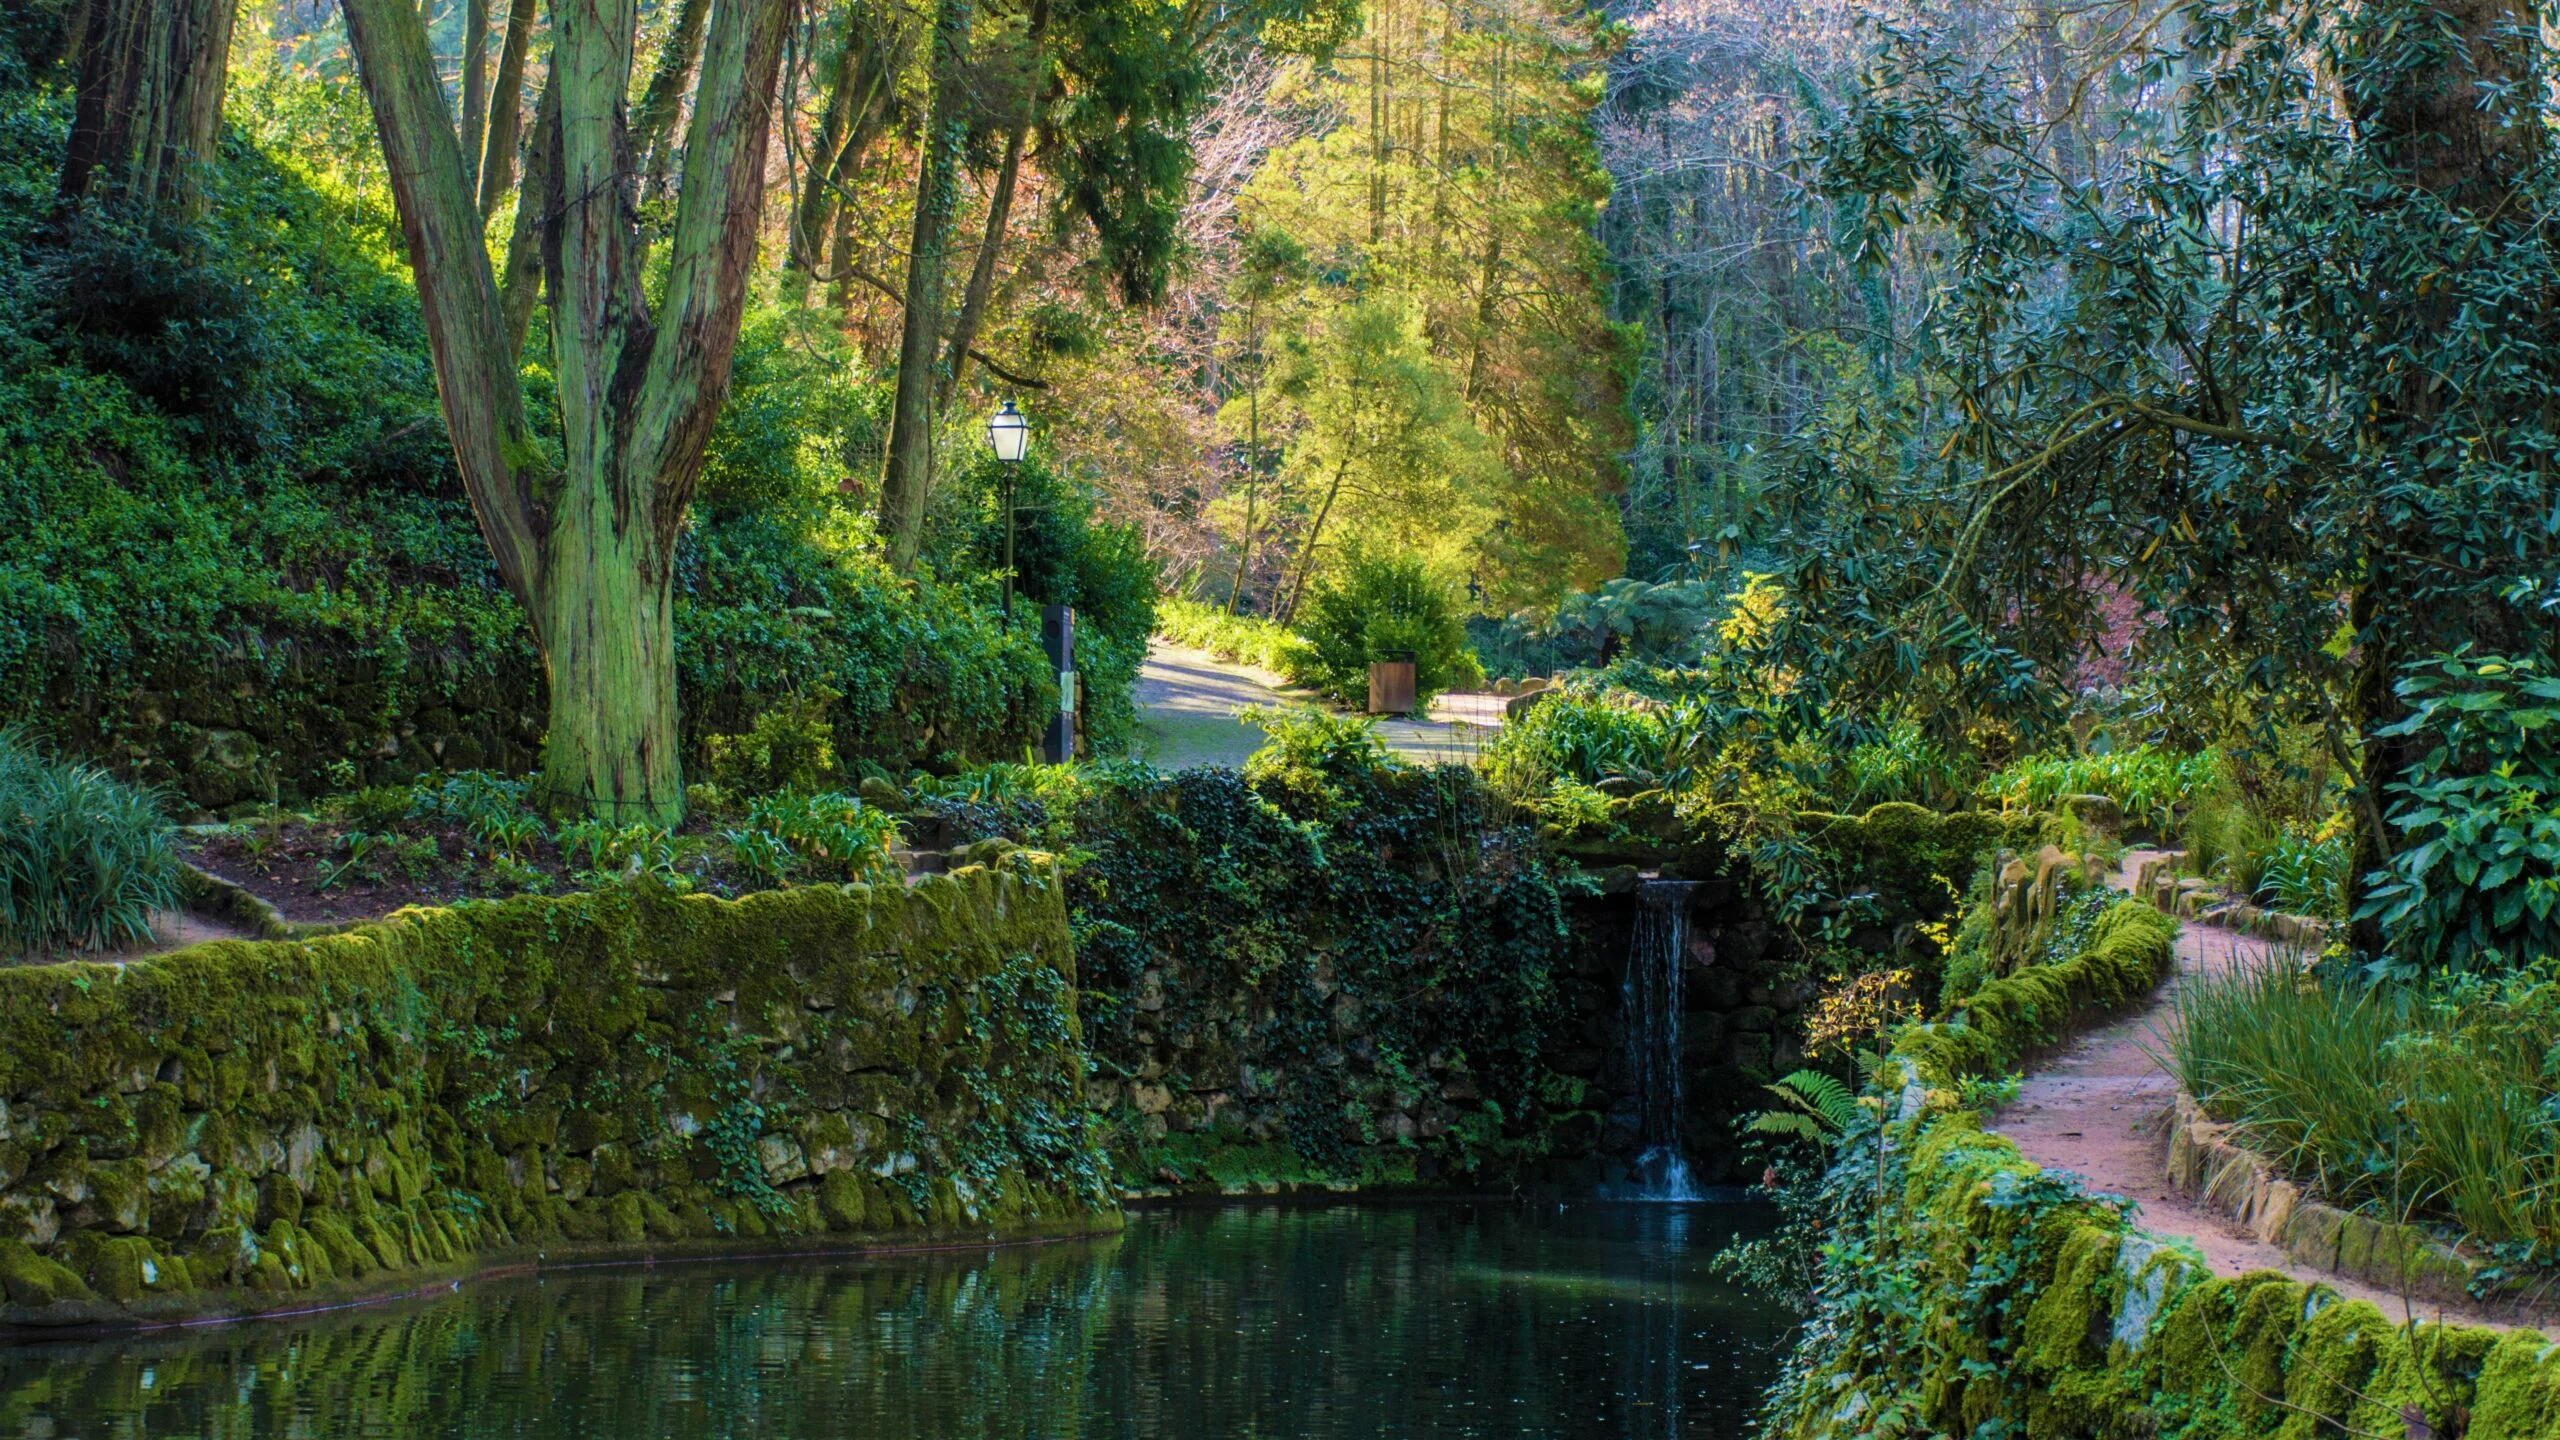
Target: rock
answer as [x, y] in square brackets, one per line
[783, 1161]
[1151, 1099]
[30, 1279]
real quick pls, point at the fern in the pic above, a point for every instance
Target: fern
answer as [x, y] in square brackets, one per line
[1821, 1108]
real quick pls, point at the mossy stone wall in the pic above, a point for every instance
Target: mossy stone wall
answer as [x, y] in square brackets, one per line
[250, 1125]
[1971, 1292]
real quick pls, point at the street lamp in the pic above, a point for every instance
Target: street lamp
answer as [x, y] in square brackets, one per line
[1009, 436]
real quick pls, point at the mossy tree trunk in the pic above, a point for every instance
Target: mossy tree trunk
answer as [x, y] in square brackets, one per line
[586, 548]
[149, 109]
[907, 479]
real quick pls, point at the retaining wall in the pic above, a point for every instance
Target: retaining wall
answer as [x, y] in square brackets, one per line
[267, 1124]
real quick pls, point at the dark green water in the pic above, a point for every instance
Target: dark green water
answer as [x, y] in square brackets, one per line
[1200, 1324]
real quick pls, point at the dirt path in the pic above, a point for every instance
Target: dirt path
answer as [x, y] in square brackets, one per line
[1187, 702]
[2096, 1109]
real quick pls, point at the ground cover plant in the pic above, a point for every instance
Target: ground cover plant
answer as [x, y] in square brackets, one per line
[86, 861]
[474, 834]
[2437, 1103]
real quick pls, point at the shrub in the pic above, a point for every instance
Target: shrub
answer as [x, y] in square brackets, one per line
[1379, 607]
[1063, 554]
[1245, 639]
[1578, 736]
[2152, 786]
[2435, 1101]
[2476, 880]
[85, 859]
[790, 747]
[823, 836]
[2307, 874]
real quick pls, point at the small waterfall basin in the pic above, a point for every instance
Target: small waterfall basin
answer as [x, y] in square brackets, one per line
[1441, 1319]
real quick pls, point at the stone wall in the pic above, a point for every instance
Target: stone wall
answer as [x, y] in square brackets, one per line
[1741, 1026]
[1970, 1292]
[261, 717]
[257, 1124]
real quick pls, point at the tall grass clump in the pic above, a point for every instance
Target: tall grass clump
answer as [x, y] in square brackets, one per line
[1245, 639]
[2151, 785]
[85, 859]
[2433, 1103]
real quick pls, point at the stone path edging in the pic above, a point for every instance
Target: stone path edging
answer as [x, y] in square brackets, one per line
[2102, 1106]
[2200, 1159]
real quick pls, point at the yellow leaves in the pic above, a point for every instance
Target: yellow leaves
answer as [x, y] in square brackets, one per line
[1858, 1011]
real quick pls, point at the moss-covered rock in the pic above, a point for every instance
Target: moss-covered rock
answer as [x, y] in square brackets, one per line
[1979, 1294]
[228, 1126]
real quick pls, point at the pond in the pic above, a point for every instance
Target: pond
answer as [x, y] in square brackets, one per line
[1585, 1320]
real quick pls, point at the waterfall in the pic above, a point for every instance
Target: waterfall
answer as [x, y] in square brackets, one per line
[1651, 1012]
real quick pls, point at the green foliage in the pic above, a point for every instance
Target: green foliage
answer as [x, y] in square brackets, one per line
[1819, 1110]
[1378, 606]
[2153, 787]
[791, 746]
[85, 860]
[1305, 750]
[797, 835]
[1063, 554]
[1579, 735]
[2307, 874]
[2437, 1102]
[1908, 764]
[1246, 639]
[1355, 935]
[2477, 884]
[1653, 624]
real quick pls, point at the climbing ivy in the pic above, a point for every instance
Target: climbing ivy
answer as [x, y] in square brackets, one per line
[1333, 941]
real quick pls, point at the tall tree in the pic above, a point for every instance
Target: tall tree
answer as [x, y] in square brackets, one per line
[149, 110]
[588, 547]
[907, 478]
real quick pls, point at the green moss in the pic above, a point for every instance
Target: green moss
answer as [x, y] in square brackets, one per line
[631, 1065]
[33, 1280]
[1978, 1294]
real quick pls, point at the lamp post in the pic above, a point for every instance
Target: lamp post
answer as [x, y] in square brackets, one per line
[1009, 436]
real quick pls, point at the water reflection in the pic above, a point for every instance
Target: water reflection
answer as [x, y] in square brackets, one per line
[1441, 1320]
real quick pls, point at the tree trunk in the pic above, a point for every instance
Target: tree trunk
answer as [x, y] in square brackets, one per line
[475, 76]
[907, 479]
[816, 207]
[2442, 132]
[653, 124]
[982, 275]
[1315, 533]
[587, 550]
[498, 155]
[149, 110]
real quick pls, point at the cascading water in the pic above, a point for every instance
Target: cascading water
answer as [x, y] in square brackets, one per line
[1652, 1017]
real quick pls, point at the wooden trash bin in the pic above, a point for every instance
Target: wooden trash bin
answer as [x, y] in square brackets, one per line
[1391, 686]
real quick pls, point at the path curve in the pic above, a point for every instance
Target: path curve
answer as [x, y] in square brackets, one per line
[2096, 1109]
[1187, 702]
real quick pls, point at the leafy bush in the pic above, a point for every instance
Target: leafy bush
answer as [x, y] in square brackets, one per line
[85, 860]
[2152, 786]
[1653, 624]
[822, 836]
[1578, 735]
[1245, 639]
[2433, 1101]
[1906, 764]
[2476, 881]
[790, 747]
[2307, 874]
[1375, 608]
[1063, 554]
